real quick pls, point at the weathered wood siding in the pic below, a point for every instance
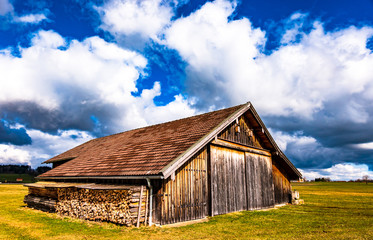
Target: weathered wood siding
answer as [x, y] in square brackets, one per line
[259, 181]
[282, 187]
[186, 197]
[240, 133]
[240, 181]
[228, 180]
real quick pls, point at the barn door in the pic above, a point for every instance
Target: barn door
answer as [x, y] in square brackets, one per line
[228, 188]
[185, 196]
[259, 181]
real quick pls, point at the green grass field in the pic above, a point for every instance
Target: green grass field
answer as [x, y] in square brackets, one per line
[331, 211]
[13, 177]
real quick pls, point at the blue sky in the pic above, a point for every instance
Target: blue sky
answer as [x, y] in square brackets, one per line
[74, 70]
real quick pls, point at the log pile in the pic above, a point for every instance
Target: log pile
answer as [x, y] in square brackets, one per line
[125, 205]
[42, 203]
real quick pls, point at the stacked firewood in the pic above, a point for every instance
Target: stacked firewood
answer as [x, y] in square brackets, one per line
[117, 206]
[44, 199]
[42, 203]
[125, 205]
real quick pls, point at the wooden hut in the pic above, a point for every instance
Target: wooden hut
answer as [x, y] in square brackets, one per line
[215, 163]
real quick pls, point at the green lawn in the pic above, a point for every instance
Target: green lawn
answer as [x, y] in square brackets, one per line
[12, 178]
[332, 211]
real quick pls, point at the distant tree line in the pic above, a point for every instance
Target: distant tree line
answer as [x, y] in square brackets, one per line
[323, 179]
[23, 169]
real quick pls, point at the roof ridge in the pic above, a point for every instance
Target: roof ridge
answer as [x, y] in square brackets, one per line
[179, 119]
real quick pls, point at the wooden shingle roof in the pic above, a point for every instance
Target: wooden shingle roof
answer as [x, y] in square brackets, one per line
[158, 150]
[143, 151]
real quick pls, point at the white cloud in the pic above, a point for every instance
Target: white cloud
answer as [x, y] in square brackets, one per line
[93, 66]
[368, 145]
[10, 154]
[146, 18]
[76, 81]
[339, 172]
[176, 109]
[43, 147]
[283, 139]
[298, 79]
[30, 18]
[5, 7]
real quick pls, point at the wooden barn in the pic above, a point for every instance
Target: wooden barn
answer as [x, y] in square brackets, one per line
[215, 163]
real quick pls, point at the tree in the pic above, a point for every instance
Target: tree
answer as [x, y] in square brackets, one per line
[366, 178]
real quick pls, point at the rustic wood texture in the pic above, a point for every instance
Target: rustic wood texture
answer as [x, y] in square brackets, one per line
[239, 181]
[185, 198]
[118, 206]
[42, 203]
[124, 205]
[43, 192]
[282, 186]
[228, 178]
[240, 133]
[259, 181]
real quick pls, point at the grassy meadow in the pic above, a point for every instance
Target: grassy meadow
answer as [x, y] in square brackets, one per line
[6, 177]
[331, 211]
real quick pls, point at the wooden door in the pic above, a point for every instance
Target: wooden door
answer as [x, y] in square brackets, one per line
[259, 181]
[228, 188]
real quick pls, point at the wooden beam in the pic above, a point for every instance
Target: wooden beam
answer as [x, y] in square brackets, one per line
[223, 143]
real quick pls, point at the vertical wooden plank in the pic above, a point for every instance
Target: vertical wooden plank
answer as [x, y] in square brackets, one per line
[139, 209]
[219, 187]
[256, 186]
[182, 194]
[172, 201]
[163, 215]
[192, 189]
[169, 203]
[227, 180]
[244, 185]
[146, 207]
[216, 176]
[224, 182]
[186, 192]
[198, 185]
[177, 192]
[211, 170]
[189, 192]
[165, 197]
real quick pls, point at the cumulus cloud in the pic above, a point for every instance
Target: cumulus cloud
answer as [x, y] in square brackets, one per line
[297, 79]
[135, 21]
[55, 86]
[64, 84]
[316, 85]
[44, 146]
[339, 172]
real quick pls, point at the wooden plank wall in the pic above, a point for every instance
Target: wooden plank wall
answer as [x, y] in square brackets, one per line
[244, 136]
[240, 181]
[227, 180]
[186, 197]
[282, 186]
[259, 182]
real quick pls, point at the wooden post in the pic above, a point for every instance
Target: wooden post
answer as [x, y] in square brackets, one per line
[146, 206]
[139, 213]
